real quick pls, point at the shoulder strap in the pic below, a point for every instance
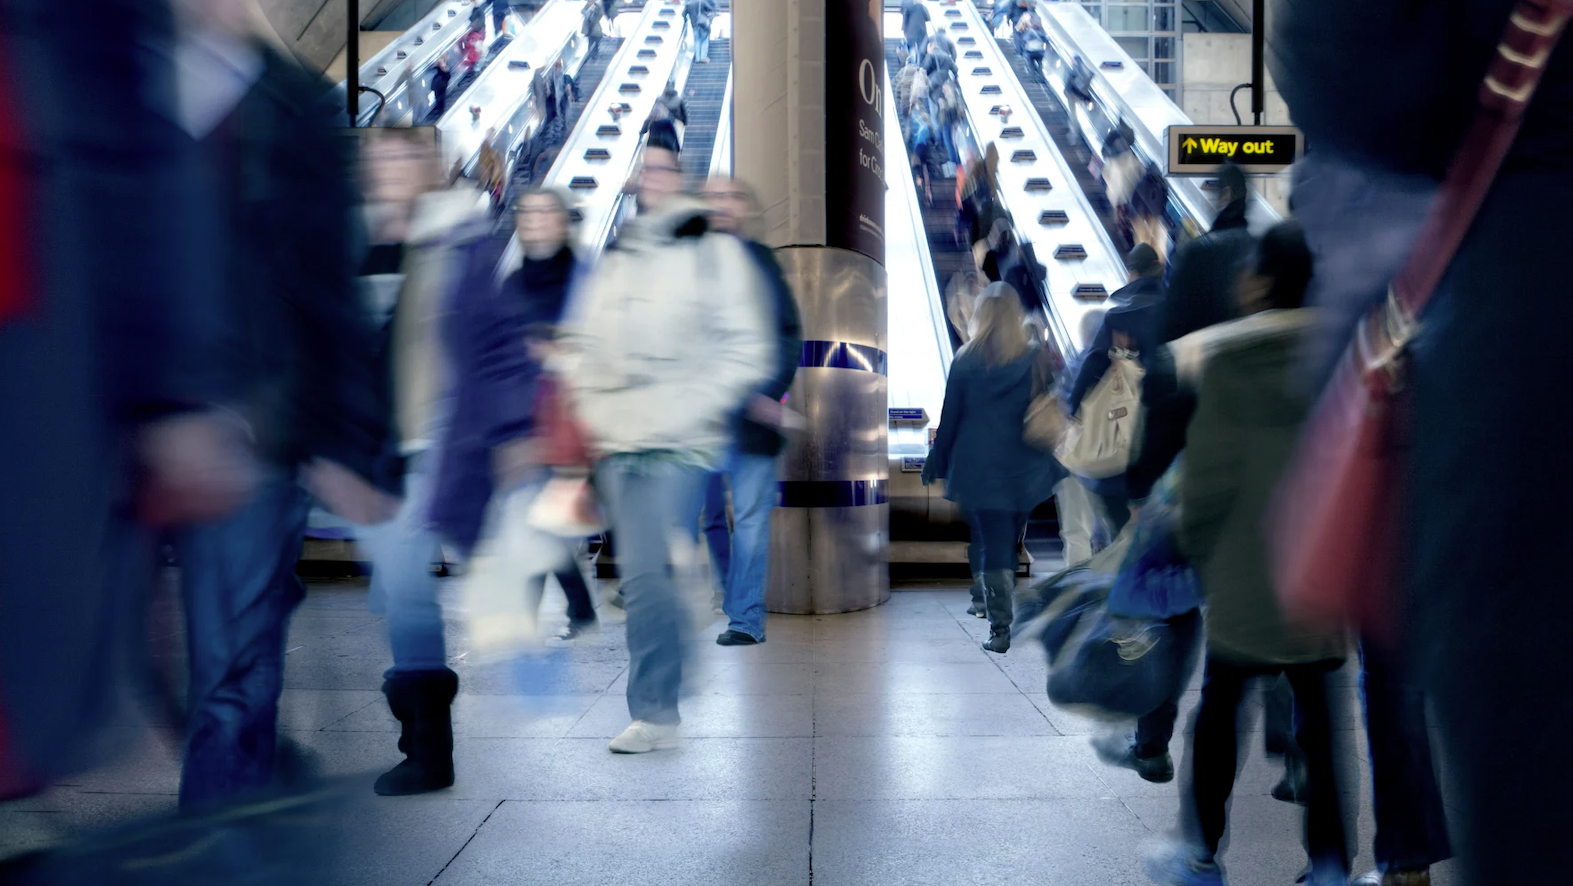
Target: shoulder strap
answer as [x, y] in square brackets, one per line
[1533, 30]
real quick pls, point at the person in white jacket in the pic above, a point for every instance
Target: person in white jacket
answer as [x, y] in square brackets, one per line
[659, 356]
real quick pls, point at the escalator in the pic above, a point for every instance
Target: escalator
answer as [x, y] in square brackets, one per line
[523, 168]
[705, 95]
[1050, 108]
[948, 257]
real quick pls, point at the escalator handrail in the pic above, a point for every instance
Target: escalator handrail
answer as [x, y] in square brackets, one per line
[721, 149]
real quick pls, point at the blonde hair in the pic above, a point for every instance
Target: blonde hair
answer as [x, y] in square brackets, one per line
[999, 326]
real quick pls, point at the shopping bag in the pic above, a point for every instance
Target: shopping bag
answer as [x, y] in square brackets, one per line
[501, 613]
[566, 507]
[1156, 581]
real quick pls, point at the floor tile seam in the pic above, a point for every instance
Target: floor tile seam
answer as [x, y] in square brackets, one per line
[467, 842]
[367, 706]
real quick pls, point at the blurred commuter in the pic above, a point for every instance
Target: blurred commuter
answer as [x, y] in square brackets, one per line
[1206, 270]
[947, 115]
[591, 27]
[497, 337]
[491, 170]
[751, 467]
[1132, 323]
[961, 299]
[1079, 529]
[660, 355]
[108, 355]
[439, 88]
[405, 275]
[500, 10]
[1247, 419]
[1485, 611]
[923, 143]
[676, 107]
[994, 477]
[915, 29]
[939, 63]
[1031, 42]
[609, 10]
[1008, 12]
[470, 47]
[301, 355]
[902, 82]
[1078, 92]
[700, 13]
[660, 131]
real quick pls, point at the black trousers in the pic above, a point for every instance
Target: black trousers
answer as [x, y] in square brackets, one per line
[1215, 755]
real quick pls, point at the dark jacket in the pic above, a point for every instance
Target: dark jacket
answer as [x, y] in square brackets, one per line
[1138, 313]
[939, 65]
[914, 23]
[1202, 289]
[754, 438]
[1486, 568]
[978, 450]
[103, 337]
[1247, 421]
[700, 13]
[439, 87]
[494, 376]
[300, 348]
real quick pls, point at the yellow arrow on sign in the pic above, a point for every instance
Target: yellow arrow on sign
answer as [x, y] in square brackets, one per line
[1190, 144]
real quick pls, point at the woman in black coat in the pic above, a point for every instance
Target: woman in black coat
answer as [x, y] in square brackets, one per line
[990, 472]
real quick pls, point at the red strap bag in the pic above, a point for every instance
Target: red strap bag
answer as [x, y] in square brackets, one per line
[1334, 527]
[561, 440]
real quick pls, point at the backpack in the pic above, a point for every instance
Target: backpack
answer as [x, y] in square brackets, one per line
[1104, 437]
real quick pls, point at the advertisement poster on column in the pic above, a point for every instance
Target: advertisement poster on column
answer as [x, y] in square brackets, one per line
[854, 126]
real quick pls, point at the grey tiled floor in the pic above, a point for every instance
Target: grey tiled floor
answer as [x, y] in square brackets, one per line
[874, 747]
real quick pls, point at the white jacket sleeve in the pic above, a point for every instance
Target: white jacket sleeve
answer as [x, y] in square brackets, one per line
[740, 336]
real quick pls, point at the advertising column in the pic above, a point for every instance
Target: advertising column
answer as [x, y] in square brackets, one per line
[811, 142]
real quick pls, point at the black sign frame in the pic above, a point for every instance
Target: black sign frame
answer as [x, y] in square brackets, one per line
[1184, 162]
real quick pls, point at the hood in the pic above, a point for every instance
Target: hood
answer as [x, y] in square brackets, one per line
[682, 216]
[1273, 330]
[1138, 293]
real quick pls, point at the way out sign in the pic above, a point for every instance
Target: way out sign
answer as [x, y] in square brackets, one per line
[1259, 150]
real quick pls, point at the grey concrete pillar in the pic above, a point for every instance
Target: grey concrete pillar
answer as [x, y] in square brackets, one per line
[808, 94]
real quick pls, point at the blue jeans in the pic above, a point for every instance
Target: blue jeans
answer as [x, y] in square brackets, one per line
[753, 499]
[239, 585]
[701, 44]
[646, 503]
[708, 517]
[402, 551]
[995, 535]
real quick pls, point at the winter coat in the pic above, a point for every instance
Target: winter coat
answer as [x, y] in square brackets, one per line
[978, 449]
[1137, 312]
[903, 84]
[661, 352]
[1247, 421]
[486, 327]
[754, 438]
[422, 376]
[1202, 290]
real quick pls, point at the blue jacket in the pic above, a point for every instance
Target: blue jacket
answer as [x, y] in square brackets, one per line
[978, 450]
[494, 381]
[754, 438]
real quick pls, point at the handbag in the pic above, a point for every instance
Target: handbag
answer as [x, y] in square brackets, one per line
[1334, 523]
[1043, 426]
[566, 507]
[562, 440]
[1102, 439]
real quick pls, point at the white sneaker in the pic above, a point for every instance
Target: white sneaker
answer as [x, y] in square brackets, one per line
[642, 737]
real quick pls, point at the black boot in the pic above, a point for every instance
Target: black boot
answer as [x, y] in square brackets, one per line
[976, 608]
[999, 598]
[421, 700]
